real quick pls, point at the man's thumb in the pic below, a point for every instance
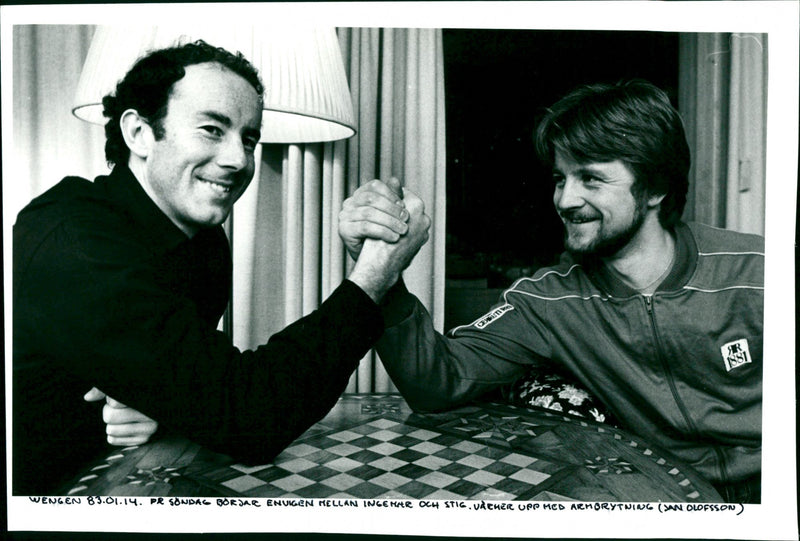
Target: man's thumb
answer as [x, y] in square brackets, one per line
[94, 395]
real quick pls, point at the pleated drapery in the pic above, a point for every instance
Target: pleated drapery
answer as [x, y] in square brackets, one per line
[397, 81]
[287, 252]
[280, 230]
[49, 143]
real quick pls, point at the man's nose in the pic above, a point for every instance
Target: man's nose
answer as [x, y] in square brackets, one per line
[233, 154]
[569, 194]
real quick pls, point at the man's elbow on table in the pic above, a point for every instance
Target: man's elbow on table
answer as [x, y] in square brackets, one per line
[426, 387]
[433, 401]
[426, 393]
[252, 449]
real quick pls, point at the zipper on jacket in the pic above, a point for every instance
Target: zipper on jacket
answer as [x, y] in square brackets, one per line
[648, 301]
[721, 461]
[722, 466]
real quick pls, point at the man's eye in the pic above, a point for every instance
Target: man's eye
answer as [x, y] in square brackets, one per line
[558, 180]
[250, 143]
[590, 179]
[213, 130]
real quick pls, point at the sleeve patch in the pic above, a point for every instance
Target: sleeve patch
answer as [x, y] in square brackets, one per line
[492, 316]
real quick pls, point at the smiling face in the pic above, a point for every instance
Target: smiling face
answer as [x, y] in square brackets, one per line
[595, 201]
[205, 159]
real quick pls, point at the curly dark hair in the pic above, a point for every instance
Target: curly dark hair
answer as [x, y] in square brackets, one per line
[147, 86]
[631, 121]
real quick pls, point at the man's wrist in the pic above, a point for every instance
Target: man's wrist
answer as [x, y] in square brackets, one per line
[375, 284]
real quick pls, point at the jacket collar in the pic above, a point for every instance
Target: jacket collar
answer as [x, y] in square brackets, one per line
[682, 268]
[122, 187]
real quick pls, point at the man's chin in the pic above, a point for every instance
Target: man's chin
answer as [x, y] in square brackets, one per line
[594, 247]
[599, 248]
[579, 247]
[211, 219]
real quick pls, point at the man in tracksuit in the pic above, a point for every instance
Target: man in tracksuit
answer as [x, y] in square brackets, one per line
[661, 320]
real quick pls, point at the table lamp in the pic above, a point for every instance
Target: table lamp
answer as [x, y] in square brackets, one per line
[306, 96]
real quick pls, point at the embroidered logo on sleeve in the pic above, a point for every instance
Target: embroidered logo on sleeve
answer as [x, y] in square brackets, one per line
[736, 354]
[492, 316]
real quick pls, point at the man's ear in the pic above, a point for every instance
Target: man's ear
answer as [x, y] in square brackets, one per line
[655, 200]
[137, 133]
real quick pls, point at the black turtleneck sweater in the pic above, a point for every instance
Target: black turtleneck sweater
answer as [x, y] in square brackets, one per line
[109, 293]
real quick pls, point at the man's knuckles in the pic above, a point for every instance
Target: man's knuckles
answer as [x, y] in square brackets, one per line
[123, 415]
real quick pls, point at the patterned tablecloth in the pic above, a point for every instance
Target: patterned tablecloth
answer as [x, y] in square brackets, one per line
[373, 446]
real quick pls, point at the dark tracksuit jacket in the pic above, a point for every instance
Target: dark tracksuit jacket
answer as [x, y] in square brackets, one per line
[681, 368]
[109, 293]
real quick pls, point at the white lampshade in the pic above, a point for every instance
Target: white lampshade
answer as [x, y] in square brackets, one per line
[306, 97]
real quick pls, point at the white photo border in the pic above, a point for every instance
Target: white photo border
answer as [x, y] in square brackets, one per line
[775, 518]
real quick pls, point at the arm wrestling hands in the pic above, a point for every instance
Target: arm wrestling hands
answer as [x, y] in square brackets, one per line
[382, 231]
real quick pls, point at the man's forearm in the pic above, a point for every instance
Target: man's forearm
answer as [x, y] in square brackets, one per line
[436, 372]
[299, 374]
[415, 355]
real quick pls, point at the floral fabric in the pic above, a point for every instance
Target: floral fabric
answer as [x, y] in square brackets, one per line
[558, 393]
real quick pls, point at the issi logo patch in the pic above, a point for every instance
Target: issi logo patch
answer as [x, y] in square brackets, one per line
[735, 354]
[492, 316]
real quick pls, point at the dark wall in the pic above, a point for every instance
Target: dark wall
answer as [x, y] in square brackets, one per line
[497, 83]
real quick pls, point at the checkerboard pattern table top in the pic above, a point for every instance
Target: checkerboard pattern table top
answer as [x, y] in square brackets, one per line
[373, 446]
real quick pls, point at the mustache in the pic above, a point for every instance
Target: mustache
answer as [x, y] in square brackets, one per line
[572, 214]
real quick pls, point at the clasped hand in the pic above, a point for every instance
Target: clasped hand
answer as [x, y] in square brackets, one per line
[383, 231]
[124, 426]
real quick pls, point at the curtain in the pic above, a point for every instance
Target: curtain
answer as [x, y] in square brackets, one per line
[48, 141]
[723, 89]
[287, 254]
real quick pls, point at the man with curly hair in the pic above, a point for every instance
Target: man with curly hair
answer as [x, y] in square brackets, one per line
[119, 285]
